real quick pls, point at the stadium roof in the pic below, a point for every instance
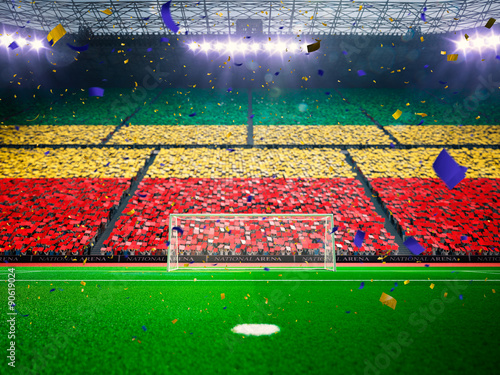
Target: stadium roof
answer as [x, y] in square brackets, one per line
[369, 17]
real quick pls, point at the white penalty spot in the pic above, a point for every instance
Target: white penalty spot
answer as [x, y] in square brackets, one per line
[256, 329]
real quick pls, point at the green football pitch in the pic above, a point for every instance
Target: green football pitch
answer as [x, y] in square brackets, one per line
[102, 320]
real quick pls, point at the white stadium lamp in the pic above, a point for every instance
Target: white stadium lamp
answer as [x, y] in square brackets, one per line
[255, 47]
[292, 47]
[205, 47]
[37, 44]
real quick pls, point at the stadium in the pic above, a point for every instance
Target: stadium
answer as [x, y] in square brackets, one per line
[249, 187]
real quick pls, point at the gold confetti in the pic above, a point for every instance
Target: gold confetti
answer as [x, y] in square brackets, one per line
[397, 114]
[388, 300]
[431, 286]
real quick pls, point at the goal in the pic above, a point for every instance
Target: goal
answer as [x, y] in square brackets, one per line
[304, 240]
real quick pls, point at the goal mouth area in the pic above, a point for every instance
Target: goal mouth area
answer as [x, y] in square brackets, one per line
[256, 241]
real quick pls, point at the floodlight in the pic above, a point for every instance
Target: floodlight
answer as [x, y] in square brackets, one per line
[37, 44]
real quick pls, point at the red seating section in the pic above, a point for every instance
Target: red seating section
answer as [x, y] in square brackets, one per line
[55, 214]
[147, 228]
[437, 217]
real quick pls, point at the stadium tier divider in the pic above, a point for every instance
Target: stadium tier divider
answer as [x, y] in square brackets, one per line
[126, 196]
[380, 208]
[129, 117]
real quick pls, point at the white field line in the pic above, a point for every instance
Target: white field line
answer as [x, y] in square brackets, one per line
[242, 281]
[239, 270]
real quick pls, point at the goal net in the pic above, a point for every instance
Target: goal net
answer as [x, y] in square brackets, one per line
[252, 239]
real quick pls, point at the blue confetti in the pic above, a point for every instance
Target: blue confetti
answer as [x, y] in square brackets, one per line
[266, 269]
[192, 114]
[421, 122]
[46, 153]
[392, 145]
[229, 89]
[17, 127]
[144, 328]
[225, 307]
[498, 57]
[191, 262]
[149, 49]
[427, 265]
[463, 238]
[164, 40]
[422, 16]
[230, 149]
[327, 93]
[461, 296]
[214, 264]
[396, 284]
[392, 289]
[277, 73]
[362, 285]
[347, 312]
[162, 164]
[238, 64]
[249, 198]
[361, 73]
[336, 228]
[251, 116]
[281, 27]
[178, 229]
[79, 49]
[107, 164]
[443, 82]
[52, 290]
[344, 52]
[426, 66]
[320, 72]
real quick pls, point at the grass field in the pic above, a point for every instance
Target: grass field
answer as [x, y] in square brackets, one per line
[148, 321]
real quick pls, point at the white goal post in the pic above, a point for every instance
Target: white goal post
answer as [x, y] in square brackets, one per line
[289, 238]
